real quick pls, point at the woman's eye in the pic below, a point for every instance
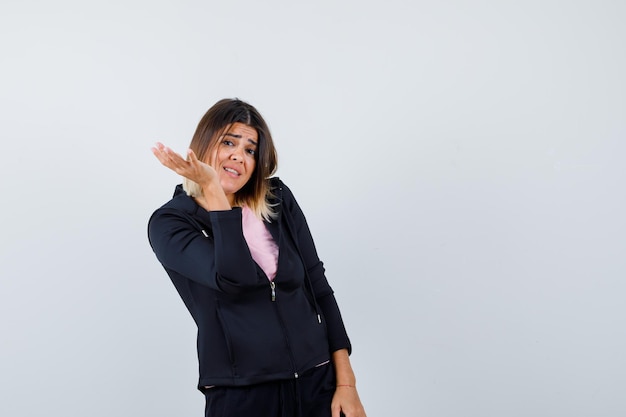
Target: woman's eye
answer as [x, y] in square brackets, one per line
[251, 151]
[228, 142]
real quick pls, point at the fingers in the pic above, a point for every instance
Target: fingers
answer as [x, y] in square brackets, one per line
[169, 158]
[346, 403]
[191, 168]
[191, 156]
[157, 148]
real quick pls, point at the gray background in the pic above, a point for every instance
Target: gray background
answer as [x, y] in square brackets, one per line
[460, 164]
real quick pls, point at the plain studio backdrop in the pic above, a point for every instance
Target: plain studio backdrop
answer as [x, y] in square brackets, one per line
[460, 163]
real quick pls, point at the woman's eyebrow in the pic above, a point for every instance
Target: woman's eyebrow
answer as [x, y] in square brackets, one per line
[239, 137]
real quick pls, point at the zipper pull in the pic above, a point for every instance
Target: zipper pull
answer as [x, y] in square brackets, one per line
[273, 287]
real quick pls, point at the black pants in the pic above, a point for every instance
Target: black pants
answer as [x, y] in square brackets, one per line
[308, 396]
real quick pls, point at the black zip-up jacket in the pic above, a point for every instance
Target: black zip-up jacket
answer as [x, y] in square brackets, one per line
[250, 330]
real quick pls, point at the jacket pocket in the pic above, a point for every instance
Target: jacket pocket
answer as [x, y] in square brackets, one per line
[255, 339]
[227, 339]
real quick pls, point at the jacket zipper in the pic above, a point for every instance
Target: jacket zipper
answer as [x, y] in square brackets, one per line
[282, 325]
[278, 314]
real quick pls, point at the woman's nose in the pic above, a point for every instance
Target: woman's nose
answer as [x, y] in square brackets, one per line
[237, 155]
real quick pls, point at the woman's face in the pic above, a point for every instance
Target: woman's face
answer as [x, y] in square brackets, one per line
[234, 158]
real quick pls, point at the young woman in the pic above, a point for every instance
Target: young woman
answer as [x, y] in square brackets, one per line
[271, 341]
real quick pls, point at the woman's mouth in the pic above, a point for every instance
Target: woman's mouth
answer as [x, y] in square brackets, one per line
[232, 171]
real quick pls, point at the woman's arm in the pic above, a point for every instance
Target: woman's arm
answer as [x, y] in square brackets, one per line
[221, 261]
[337, 335]
[346, 398]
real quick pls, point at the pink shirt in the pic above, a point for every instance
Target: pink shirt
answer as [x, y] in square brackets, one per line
[262, 247]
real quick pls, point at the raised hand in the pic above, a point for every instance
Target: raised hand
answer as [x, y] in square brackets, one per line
[201, 173]
[191, 168]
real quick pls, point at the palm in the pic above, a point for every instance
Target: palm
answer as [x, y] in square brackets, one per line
[190, 168]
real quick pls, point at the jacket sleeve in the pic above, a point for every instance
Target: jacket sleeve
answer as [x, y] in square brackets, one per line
[337, 335]
[221, 261]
